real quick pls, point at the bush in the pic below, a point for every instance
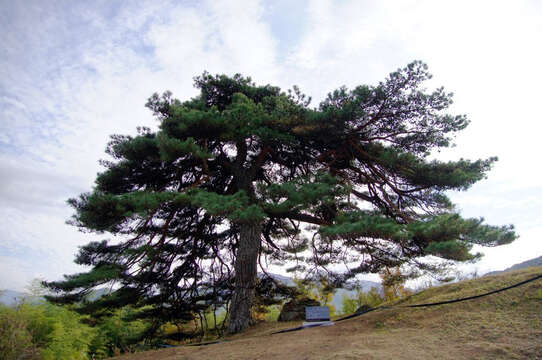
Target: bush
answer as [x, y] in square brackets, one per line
[116, 335]
[69, 339]
[372, 298]
[15, 338]
[273, 313]
[42, 332]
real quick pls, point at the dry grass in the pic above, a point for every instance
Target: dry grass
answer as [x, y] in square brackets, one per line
[506, 325]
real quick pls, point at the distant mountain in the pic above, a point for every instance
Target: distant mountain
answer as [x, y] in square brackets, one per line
[280, 278]
[365, 286]
[12, 298]
[98, 293]
[529, 263]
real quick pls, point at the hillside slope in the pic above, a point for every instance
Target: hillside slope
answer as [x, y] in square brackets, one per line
[507, 325]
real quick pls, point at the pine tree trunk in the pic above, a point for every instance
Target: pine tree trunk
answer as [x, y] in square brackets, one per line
[245, 277]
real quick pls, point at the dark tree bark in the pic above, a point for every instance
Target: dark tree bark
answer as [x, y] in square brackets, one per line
[245, 277]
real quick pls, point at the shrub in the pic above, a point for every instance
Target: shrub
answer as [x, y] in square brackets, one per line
[44, 332]
[372, 298]
[15, 338]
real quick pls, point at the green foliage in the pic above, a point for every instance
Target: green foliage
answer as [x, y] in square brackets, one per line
[305, 193]
[393, 283]
[273, 312]
[349, 305]
[44, 332]
[215, 319]
[15, 337]
[172, 149]
[235, 207]
[117, 334]
[393, 289]
[372, 299]
[52, 332]
[69, 338]
[366, 223]
[320, 291]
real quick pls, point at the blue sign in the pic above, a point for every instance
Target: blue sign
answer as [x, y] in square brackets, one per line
[317, 313]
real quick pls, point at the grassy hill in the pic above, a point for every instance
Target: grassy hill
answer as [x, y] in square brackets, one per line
[507, 325]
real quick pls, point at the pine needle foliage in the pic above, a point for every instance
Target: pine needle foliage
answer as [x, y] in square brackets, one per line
[241, 162]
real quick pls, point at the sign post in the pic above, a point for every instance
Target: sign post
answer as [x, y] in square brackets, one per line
[317, 316]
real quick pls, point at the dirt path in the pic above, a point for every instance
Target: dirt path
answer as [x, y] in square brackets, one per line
[366, 339]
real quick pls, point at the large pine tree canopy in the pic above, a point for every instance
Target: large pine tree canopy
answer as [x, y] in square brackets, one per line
[349, 182]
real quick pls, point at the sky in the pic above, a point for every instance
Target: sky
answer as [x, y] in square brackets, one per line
[74, 72]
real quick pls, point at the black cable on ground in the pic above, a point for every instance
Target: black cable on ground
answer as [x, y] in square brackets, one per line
[341, 319]
[356, 314]
[383, 308]
[475, 296]
[206, 343]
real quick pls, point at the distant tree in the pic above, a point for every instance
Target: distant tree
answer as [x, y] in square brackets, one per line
[324, 294]
[393, 284]
[371, 298]
[235, 174]
[36, 288]
[320, 291]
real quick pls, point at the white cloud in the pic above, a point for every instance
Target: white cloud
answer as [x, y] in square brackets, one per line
[73, 74]
[483, 51]
[58, 117]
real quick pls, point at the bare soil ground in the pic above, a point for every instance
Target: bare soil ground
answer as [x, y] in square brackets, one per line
[507, 325]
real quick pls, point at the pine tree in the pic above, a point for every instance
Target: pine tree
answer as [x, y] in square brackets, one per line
[238, 173]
